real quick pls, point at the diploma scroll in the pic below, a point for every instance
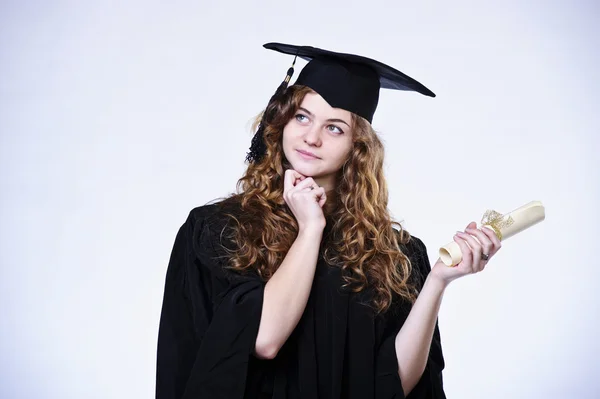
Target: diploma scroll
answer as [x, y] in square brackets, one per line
[505, 226]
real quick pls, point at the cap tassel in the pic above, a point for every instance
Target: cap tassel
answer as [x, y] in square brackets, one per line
[258, 148]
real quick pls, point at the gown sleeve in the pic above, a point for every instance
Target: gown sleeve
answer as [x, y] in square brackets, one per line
[387, 383]
[209, 319]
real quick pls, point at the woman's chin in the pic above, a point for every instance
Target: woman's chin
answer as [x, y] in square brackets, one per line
[304, 170]
[307, 172]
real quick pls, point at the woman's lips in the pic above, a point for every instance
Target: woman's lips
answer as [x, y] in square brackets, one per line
[306, 156]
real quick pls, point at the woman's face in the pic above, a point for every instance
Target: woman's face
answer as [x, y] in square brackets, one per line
[325, 132]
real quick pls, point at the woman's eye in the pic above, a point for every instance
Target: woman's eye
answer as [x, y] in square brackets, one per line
[335, 129]
[301, 118]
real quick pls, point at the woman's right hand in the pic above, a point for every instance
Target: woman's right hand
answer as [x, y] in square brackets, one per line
[305, 198]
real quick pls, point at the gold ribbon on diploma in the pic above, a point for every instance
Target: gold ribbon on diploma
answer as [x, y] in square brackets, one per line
[496, 221]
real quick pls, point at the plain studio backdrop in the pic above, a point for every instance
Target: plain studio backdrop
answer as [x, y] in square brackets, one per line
[118, 118]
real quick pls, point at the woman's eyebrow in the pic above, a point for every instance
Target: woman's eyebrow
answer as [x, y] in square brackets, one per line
[328, 120]
[305, 110]
[338, 120]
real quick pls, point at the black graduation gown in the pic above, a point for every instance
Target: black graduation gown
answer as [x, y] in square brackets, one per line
[339, 349]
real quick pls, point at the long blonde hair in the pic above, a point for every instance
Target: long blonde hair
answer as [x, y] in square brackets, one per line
[363, 241]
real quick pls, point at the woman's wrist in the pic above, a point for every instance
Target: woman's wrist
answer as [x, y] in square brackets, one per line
[437, 283]
[311, 229]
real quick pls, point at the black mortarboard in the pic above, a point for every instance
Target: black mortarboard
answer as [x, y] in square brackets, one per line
[347, 81]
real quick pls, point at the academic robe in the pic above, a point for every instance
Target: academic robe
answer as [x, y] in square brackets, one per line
[340, 348]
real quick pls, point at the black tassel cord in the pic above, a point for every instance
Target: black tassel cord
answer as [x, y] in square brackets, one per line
[258, 147]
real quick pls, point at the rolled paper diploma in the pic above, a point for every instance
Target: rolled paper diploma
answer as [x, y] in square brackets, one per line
[505, 226]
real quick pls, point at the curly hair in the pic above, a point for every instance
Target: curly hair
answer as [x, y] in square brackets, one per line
[362, 238]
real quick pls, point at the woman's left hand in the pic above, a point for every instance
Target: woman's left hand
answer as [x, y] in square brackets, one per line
[478, 246]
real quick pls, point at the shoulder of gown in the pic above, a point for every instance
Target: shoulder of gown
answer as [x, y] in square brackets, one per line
[209, 317]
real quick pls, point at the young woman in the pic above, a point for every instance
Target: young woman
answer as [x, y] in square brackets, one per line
[299, 286]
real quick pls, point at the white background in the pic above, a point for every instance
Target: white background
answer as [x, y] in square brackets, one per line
[118, 117]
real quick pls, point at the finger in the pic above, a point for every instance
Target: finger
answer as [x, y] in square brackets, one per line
[310, 188]
[467, 255]
[493, 237]
[487, 246]
[302, 177]
[299, 177]
[472, 225]
[289, 179]
[475, 249]
[320, 195]
[306, 183]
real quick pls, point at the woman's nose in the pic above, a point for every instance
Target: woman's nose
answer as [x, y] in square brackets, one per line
[313, 136]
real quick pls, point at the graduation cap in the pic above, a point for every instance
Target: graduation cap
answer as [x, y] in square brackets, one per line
[347, 81]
